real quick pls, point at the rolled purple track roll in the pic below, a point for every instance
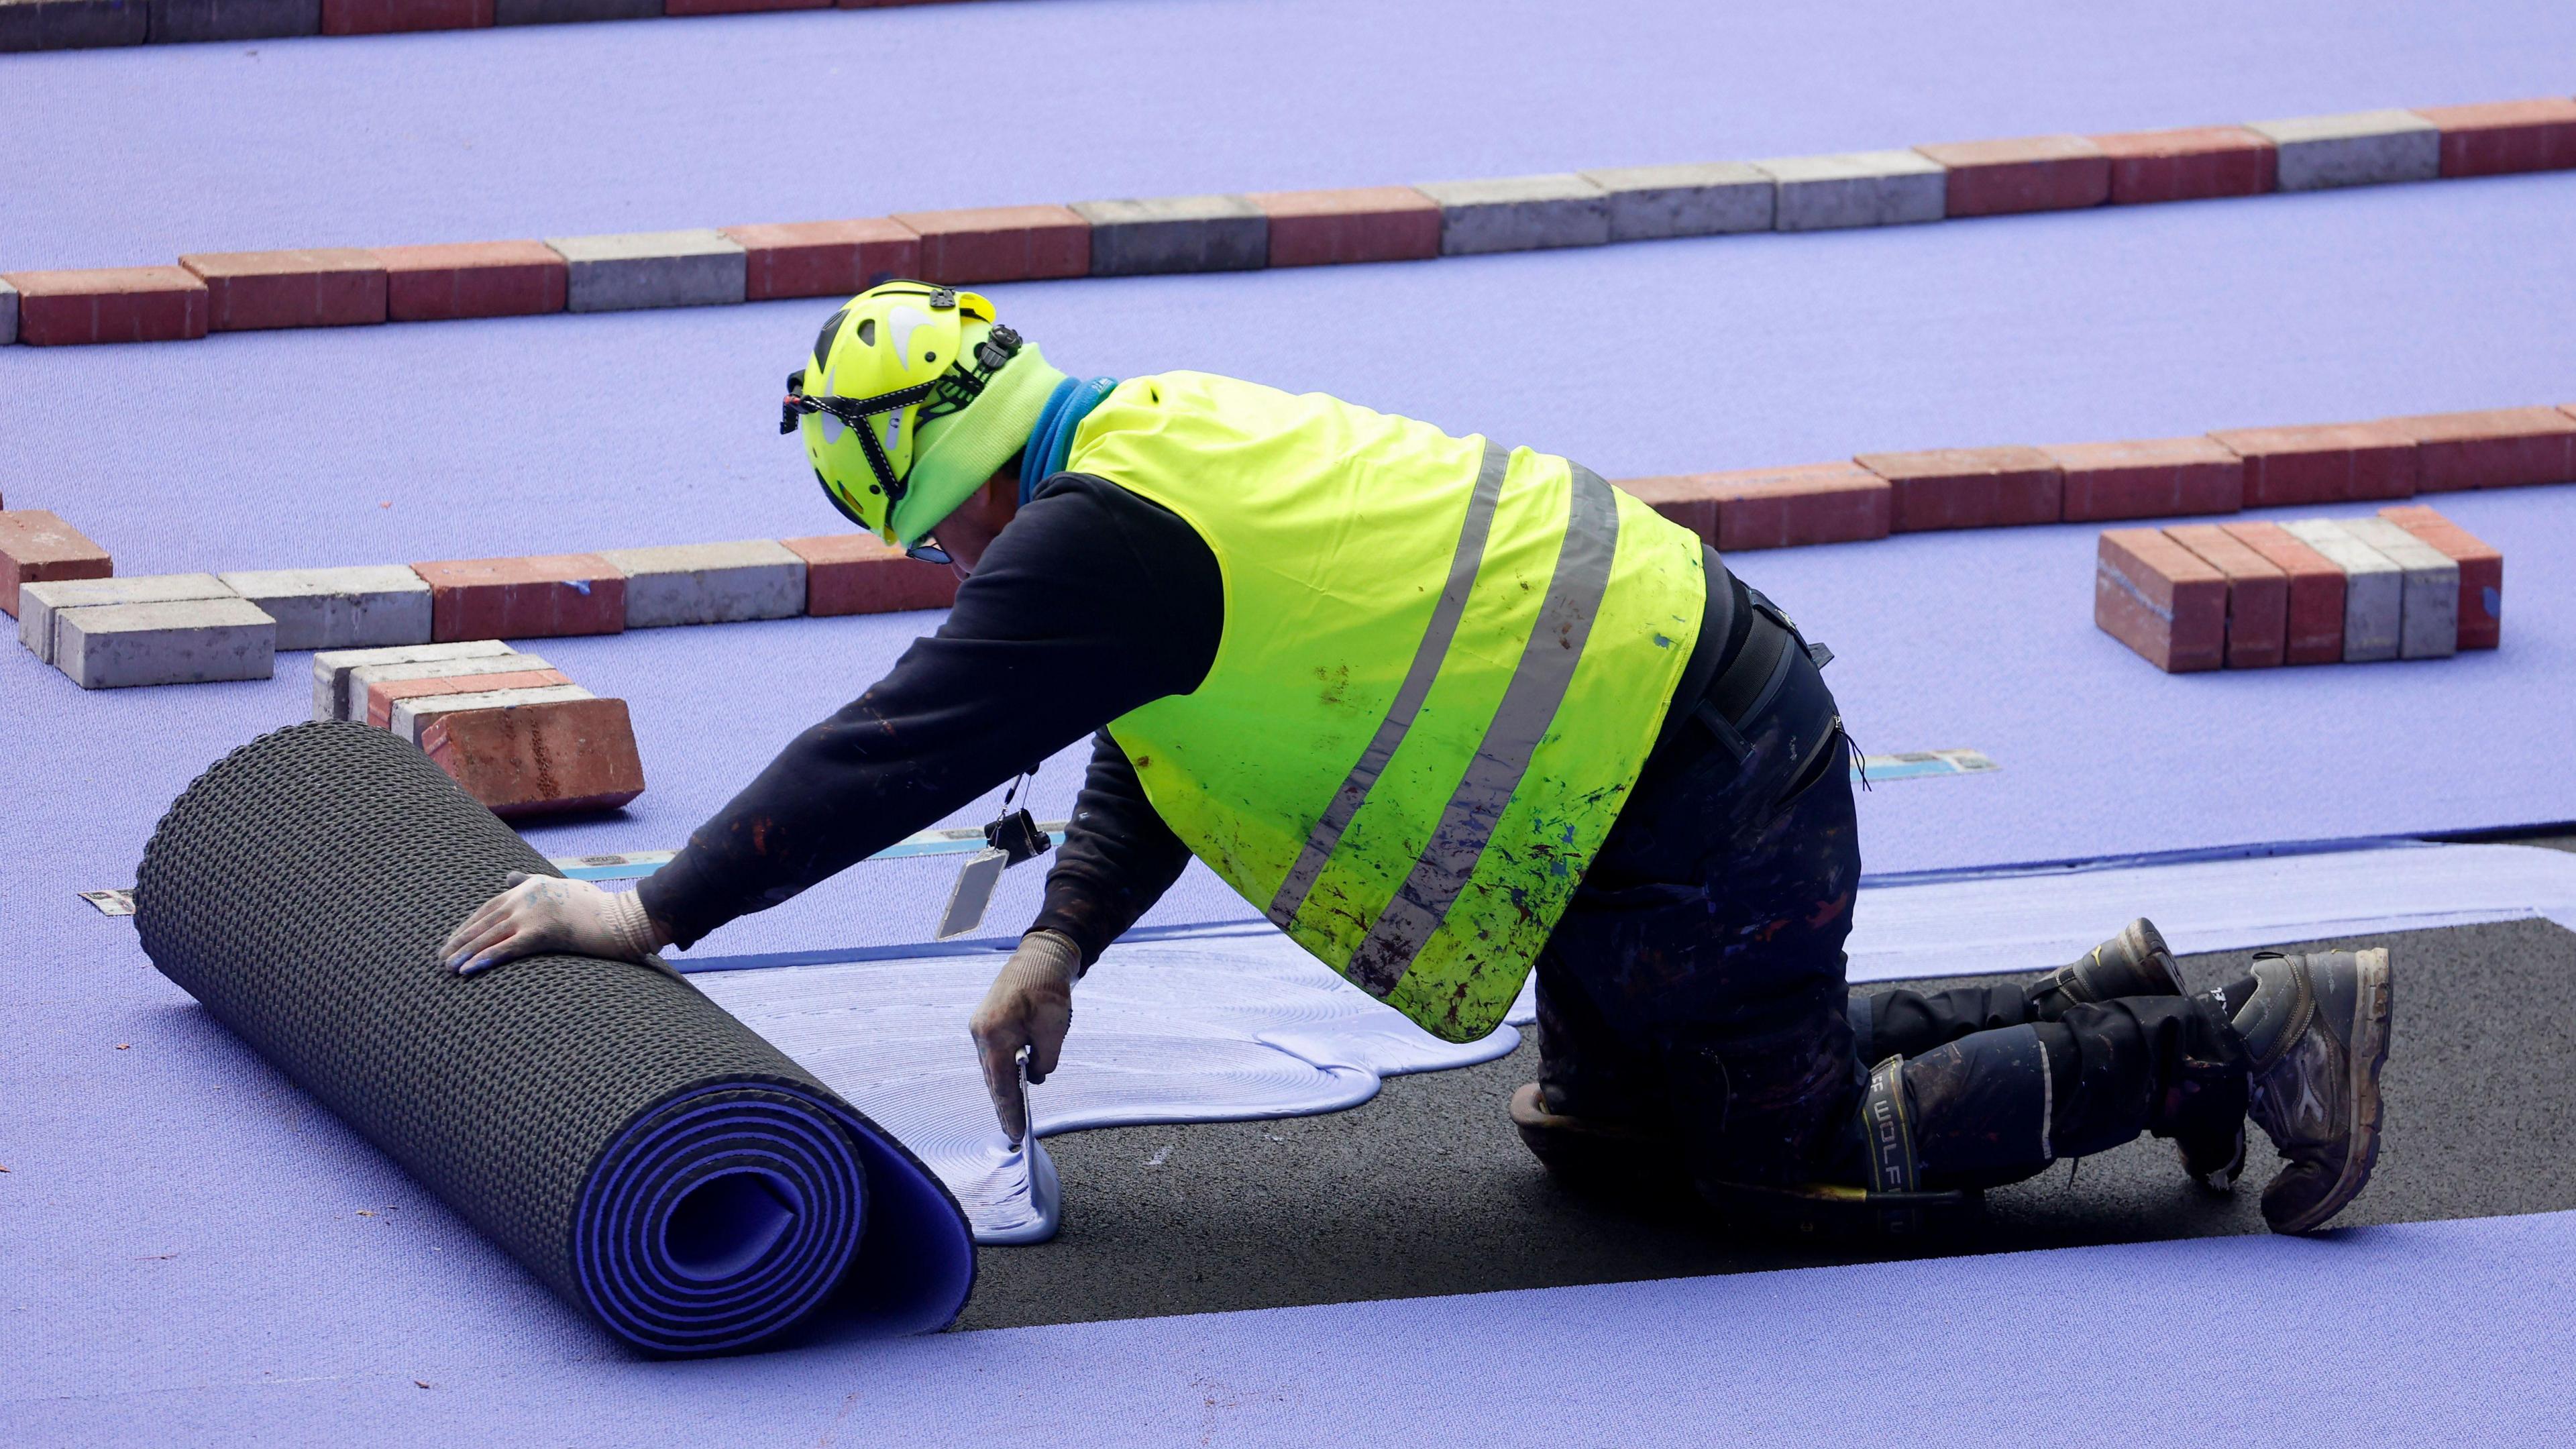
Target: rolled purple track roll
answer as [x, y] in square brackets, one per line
[652, 1159]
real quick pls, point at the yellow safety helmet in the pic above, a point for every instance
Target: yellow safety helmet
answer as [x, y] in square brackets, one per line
[894, 357]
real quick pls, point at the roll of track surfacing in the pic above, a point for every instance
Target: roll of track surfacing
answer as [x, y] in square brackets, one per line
[652, 1159]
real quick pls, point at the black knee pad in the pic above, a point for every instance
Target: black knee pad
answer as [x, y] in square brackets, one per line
[1981, 1108]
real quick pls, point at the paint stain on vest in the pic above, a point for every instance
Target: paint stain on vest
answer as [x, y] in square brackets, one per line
[1336, 693]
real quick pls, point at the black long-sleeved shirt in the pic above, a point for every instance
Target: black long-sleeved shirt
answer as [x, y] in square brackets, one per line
[1092, 602]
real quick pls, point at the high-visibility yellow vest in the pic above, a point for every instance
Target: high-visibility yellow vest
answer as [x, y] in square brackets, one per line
[1442, 666]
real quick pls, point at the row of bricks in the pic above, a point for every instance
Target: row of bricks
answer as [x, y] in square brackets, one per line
[47, 567]
[1878, 494]
[45, 560]
[90, 24]
[2407, 584]
[230, 291]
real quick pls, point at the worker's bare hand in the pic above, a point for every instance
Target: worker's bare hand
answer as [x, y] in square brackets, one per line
[1030, 1005]
[541, 913]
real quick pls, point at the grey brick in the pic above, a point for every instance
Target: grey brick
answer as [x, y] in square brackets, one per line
[1175, 234]
[369, 606]
[1709, 199]
[710, 583]
[2360, 148]
[180, 21]
[2374, 589]
[191, 641]
[557, 12]
[1519, 213]
[1857, 188]
[332, 668]
[411, 716]
[2429, 619]
[8, 313]
[38, 603]
[72, 24]
[630, 270]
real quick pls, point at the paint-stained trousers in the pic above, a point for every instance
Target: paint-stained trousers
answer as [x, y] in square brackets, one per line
[1696, 983]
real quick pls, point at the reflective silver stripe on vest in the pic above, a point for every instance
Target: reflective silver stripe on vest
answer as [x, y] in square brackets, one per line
[1528, 708]
[1452, 605]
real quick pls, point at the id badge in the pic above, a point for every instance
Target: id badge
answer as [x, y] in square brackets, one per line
[975, 882]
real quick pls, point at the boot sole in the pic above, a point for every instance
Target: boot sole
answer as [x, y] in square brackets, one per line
[2365, 1054]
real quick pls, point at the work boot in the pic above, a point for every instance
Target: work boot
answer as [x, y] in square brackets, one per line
[2317, 1030]
[2135, 962]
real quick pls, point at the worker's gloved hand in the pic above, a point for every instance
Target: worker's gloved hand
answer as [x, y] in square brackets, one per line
[542, 913]
[1030, 1005]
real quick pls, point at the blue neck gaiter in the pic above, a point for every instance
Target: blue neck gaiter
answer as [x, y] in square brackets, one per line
[1051, 441]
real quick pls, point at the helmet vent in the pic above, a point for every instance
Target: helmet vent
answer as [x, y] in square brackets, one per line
[823, 339]
[867, 332]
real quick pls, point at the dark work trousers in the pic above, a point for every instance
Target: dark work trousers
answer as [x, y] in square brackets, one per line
[1696, 983]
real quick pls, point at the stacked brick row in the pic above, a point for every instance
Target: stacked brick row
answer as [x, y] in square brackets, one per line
[1878, 494]
[108, 632]
[90, 24]
[509, 727]
[232, 291]
[2407, 584]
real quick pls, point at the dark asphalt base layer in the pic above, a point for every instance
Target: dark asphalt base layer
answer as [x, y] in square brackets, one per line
[1426, 1190]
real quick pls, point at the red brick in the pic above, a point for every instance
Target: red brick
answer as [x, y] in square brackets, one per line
[452, 280]
[524, 598]
[541, 759]
[2030, 173]
[2152, 478]
[739, 7]
[1685, 499]
[2258, 594]
[2157, 597]
[1793, 507]
[1968, 487]
[825, 258]
[1001, 243]
[385, 17]
[2504, 448]
[2323, 463]
[2481, 571]
[853, 573]
[114, 304]
[2316, 592]
[2192, 164]
[2502, 136]
[330, 287]
[36, 547]
[382, 693]
[1362, 224]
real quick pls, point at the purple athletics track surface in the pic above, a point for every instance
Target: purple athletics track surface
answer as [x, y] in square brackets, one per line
[181, 1256]
[2449, 1332]
[142, 154]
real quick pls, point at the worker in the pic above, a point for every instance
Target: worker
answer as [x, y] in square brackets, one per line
[1449, 712]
